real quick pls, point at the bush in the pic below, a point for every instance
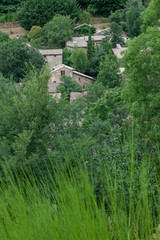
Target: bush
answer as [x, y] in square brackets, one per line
[36, 35]
[3, 37]
[115, 16]
[85, 30]
[85, 17]
[9, 17]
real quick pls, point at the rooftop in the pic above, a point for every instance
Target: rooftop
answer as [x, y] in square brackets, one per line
[82, 41]
[51, 51]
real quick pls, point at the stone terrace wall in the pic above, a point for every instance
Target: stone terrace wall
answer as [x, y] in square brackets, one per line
[9, 25]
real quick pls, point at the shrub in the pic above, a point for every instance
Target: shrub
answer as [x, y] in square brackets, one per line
[3, 37]
[85, 17]
[36, 35]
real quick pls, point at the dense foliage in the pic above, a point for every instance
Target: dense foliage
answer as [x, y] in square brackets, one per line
[16, 57]
[25, 121]
[39, 12]
[36, 35]
[9, 5]
[142, 89]
[105, 7]
[3, 37]
[151, 15]
[67, 86]
[58, 31]
[109, 74]
[79, 60]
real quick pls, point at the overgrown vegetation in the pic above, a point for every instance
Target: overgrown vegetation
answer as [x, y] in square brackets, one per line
[90, 169]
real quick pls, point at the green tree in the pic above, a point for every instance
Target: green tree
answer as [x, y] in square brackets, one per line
[141, 90]
[99, 53]
[9, 5]
[90, 47]
[79, 60]
[94, 92]
[133, 11]
[25, 123]
[116, 34]
[39, 12]
[67, 86]
[58, 31]
[133, 22]
[15, 55]
[109, 72]
[85, 17]
[67, 56]
[105, 7]
[111, 107]
[36, 35]
[151, 15]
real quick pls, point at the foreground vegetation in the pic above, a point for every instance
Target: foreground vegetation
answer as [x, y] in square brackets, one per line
[65, 205]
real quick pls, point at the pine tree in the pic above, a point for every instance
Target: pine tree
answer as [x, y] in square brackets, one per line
[90, 47]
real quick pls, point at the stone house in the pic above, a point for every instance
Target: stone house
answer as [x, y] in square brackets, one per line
[81, 42]
[61, 70]
[52, 56]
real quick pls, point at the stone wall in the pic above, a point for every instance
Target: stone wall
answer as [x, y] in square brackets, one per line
[81, 80]
[75, 95]
[9, 25]
[54, 60]
[55, 78]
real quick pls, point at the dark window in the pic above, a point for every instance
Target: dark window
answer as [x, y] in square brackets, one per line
[62, 73]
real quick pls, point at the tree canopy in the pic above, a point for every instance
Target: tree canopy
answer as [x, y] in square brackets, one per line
[15, 55]
[151, 15]
[105, 7]
[58, 31]
[79, 60]
[141, 90]
[109, 72]
[39, 12]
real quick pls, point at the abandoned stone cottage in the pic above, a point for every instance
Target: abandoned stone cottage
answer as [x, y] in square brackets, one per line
[52, 56]
[61, 70]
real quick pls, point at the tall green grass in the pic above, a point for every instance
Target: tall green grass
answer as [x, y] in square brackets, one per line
[64, 206]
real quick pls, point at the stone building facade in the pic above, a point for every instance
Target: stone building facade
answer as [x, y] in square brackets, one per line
[52, 56]
[68, 71]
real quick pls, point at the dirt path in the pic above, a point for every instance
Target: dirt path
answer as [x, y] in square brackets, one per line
[14, 31]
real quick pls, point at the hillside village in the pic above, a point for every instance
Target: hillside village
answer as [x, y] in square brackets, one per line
[79, 119]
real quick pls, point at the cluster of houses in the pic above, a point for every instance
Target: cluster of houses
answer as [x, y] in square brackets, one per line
[55, 59]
